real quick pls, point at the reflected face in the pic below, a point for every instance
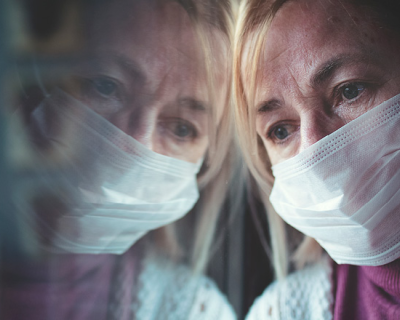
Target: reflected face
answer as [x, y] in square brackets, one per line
[145, 74]
[324, 64]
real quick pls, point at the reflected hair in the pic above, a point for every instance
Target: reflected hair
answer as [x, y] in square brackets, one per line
[213, 24]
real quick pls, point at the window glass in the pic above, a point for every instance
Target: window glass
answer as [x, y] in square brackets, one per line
[120, 176]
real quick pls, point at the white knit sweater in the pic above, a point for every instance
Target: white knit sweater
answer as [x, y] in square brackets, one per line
[303, 295]
[171, 292]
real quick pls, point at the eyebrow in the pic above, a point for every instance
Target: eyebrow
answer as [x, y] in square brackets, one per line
[193, 104]
[133, 68]
[268, 106]
[127, 66]
[327, 69]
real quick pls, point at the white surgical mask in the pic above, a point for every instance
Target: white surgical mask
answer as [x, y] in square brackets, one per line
[344, 190]
[112, 188]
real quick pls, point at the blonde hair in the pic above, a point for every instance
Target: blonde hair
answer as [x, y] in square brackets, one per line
[222, 158]
[254, 20]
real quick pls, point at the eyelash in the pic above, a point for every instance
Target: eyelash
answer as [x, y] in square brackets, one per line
[275, 140]
[172, 124]
[338, 97]
[91, 89]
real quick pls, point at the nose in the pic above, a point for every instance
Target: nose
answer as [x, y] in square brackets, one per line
[143, 132]
[315, 125]
[139, 126]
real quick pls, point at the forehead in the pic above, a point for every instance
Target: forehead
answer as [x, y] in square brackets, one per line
[159, 30]
[137, 19]
[305, 32]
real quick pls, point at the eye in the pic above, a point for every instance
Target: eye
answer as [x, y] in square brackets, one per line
[352, 90]
[280, 133]
[180, 129]
[104, 86]
[103, 94]
[183, 130]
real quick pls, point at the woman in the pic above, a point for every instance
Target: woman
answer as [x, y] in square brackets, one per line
[317, 108]
[122, 111]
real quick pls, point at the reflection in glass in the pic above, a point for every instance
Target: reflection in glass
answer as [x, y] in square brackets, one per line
[119, 125]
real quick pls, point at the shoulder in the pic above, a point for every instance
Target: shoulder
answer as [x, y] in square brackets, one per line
[304, 294]
[172, 291]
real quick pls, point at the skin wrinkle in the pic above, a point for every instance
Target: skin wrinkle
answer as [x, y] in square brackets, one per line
[181, 52]
[322, 4]
[278, 55]
[334, 19]
[351, 17]
[162, 86]
[325, 72]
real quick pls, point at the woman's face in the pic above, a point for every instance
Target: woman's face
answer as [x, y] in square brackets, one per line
[324, 64]
[143, 71]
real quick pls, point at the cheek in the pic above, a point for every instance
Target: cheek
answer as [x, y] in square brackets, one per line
[198, 151]
[274, 156]
[279, 153]
[192, 152]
